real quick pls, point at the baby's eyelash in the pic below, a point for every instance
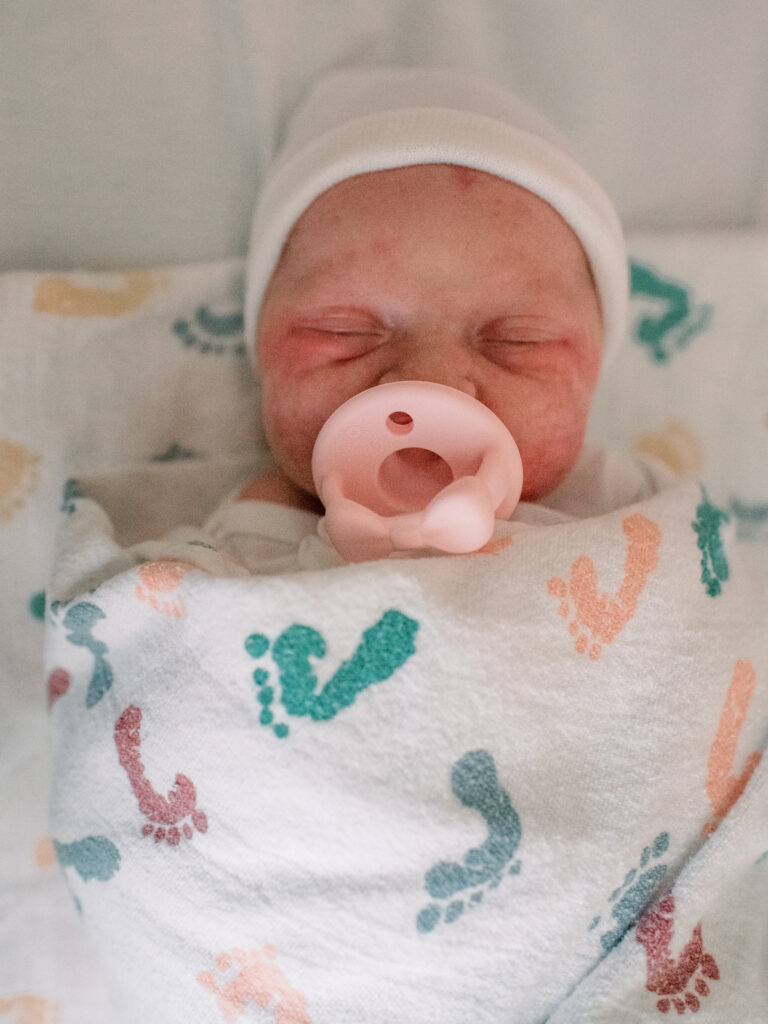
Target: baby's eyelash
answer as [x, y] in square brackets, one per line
[514, 341]
[349, 332]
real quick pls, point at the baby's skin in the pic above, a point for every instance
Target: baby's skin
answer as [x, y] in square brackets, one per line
[438, 273]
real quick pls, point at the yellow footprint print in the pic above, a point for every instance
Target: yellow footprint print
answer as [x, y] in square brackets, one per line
[30, 1010]
[599, 618]
[723, 786]
[64, 297]
[676, 445]
[18, 474]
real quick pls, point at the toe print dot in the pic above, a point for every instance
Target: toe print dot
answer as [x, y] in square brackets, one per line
[257, 645]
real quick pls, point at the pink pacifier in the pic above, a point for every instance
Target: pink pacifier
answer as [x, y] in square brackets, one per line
[414, 465]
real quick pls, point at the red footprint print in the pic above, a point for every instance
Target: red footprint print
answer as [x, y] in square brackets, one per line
[599, 618]
[163, 813]
[58, 684]
[667, 977]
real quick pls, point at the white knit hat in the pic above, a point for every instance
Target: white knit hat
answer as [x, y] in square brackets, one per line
[361, 120]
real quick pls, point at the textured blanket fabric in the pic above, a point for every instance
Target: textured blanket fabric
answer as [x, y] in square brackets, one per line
[520, 785]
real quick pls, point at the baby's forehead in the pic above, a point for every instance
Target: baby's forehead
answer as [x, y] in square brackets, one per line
[411, 199]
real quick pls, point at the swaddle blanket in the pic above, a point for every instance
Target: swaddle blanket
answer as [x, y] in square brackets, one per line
[522, 785]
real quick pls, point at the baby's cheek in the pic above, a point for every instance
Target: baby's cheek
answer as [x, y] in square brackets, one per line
[548, 455]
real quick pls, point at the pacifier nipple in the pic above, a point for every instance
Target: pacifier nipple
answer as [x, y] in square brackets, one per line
[413, 465]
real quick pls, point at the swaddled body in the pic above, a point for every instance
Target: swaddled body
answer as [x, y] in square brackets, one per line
[417, 789]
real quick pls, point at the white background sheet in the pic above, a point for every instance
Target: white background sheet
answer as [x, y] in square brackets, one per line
[135, 133]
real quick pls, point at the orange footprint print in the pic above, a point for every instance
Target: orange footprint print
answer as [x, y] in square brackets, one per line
[667, 977]
[254, 978]
[158, 581]
[62, 296]
[723, 786]
[18, 475]
[599, 618]
[45, 854]
[493, 547]
[30, 1009]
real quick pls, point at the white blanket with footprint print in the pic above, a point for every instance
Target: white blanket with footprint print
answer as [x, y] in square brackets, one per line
[519, 786]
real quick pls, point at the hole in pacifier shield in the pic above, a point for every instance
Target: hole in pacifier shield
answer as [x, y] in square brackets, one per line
[411, 477]
[399, 422]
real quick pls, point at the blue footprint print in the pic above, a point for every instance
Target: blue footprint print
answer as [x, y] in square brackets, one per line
[212, 332]
[93, 857]
[386, 646]
[634, 893]
[79, 622]
[475, 782]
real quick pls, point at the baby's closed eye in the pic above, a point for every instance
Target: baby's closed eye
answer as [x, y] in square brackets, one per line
[520, 345]
[343, 334]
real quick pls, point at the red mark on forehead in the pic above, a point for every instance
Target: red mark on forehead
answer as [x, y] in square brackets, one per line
[382, 245]
[465, 177]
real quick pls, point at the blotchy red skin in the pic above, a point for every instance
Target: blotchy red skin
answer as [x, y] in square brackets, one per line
[430, 273]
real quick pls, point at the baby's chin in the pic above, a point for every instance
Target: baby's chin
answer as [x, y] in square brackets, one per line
[537, 486]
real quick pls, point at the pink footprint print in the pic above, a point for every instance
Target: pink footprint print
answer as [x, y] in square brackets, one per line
[254, 978]
[163, 813]
[158, 580]
[724, 787]
[667, 977]
[599, 618]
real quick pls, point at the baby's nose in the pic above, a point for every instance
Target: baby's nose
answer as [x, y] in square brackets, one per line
[438, 361]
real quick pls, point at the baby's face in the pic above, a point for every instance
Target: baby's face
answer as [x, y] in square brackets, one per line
[435, 273]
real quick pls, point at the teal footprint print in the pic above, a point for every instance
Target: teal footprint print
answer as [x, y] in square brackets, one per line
[475, 782]
[678, 321]
[174, 453]
[37, 606]
[751, 520]
[72, 491]
[79, 622]
[212, 332]
[707, 525]
[93, 857]
[634, 893]
[384, 648]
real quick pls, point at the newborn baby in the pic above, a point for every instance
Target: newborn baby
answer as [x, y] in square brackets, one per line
[452, 248]
[408, 790]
